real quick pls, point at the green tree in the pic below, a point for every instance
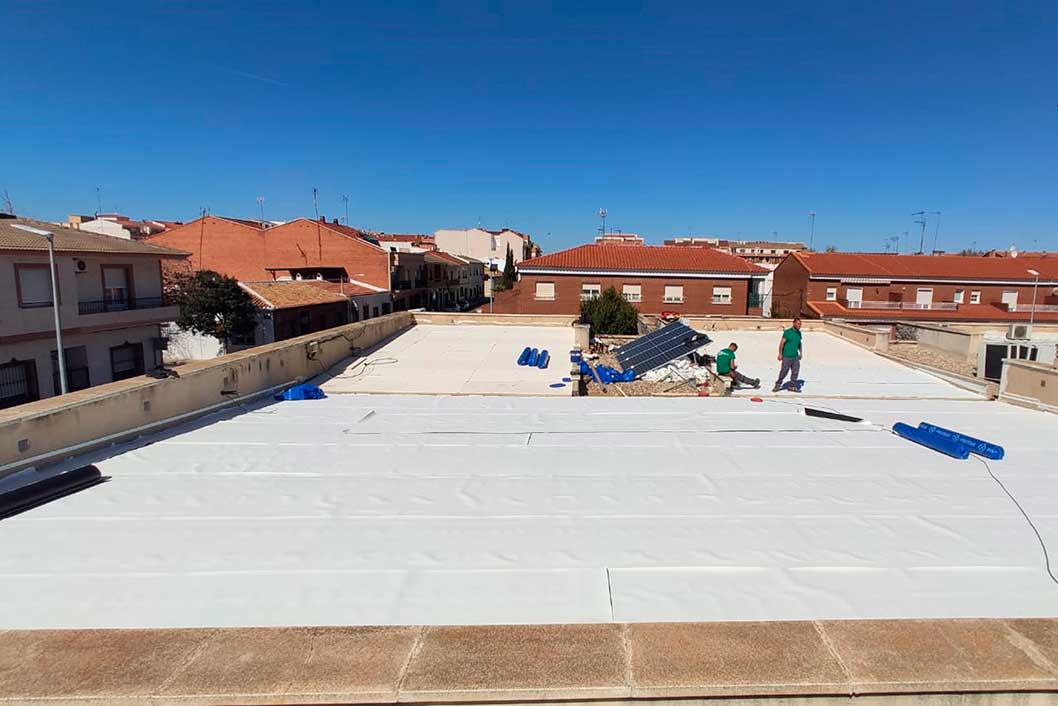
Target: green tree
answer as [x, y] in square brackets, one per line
[610, 314]
[509, 273]
[212, 304]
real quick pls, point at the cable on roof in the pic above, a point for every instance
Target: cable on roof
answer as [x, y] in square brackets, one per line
[1039, 537]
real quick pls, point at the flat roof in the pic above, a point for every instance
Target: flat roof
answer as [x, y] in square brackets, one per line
[461, 359]
[392, 509]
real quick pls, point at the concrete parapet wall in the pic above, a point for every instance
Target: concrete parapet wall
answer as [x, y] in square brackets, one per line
[933, 662]
[872, 339]
[36, 432]
[440, 318]
[732, 323]
[1031, 384]
[961, 343]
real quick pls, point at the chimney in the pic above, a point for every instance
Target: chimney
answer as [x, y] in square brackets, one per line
[323, 219]
[335, 221]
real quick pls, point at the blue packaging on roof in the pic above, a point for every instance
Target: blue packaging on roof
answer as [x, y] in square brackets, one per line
[304, 391]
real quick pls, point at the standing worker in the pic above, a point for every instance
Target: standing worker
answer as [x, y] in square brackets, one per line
[725, 365]
[790, 356]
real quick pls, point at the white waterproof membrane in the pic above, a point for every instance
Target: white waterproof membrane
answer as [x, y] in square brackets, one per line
[368, 509]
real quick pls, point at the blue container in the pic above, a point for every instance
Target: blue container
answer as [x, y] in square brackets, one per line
[534, 356]
[523, 359]
[575, 356]
[932, 441]
[977, 446]
[544, 358]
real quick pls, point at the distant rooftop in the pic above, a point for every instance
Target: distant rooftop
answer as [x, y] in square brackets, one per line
[641, 258]
[929, 266]
[75, 241]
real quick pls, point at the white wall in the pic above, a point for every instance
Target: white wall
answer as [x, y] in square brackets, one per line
[104, 227]
[97, 346]
[477, 243]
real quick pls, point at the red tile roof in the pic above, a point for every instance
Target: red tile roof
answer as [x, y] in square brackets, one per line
[964, 312]
[290, 294]
[448, 257]
[642, 258]
[953, 267]
[404, 237]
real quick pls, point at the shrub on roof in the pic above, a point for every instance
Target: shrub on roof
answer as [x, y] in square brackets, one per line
[610, 314]
[211, 304]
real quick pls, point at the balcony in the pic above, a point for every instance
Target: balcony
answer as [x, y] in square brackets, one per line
[755, 300]
[900, 306]
[1026, 308]
[107, 306]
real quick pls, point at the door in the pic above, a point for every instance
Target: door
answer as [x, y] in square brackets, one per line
[116, 288]
[924, 298]
[1010, 298]
[854, 297]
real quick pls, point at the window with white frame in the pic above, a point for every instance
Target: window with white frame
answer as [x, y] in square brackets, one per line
[632, 292]
[673, 294]
[832, 294]
[975, 297]
[958, 296]
[590, 291]
[545, 291]
[721, 295]
[33, 285]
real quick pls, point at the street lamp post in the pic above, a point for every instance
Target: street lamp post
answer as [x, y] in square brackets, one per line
[1035, 285]
[61, 354]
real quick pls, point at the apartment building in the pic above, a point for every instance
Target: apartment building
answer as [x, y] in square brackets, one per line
[654, 278]
[766, 253]
[920, 287]
[110, 302]
[118, 226]
[454, 280]
[488, 246]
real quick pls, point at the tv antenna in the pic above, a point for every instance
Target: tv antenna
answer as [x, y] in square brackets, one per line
[260, 205]
[893, 243]
[99, 200]
[922, 222]
[812, 236]
[345, 200]
[602, 215]
[936, 230]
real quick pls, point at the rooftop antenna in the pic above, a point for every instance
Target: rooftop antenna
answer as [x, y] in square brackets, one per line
[602, 215]
[316, 208]
[812, 236]
[893, 243]
[906, 245]
[99, 200]
[8, 206]
[936, 230]
[922, 222]
[260, 205]
[345, 200]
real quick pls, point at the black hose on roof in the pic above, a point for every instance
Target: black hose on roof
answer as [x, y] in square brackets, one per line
[31, 495]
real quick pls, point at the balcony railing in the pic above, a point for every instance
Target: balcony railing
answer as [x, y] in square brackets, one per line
[900, 306]
[756, 300]
[1026, 308]
[104, 306]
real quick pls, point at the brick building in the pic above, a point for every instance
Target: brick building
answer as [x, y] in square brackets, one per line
[654, 278]
[921, 287]
[767, 253]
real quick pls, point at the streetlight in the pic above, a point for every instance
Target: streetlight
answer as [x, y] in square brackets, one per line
[49, 236]
[1032, 312]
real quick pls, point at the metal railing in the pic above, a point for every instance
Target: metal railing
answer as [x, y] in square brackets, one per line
[901, 306]
[756, 300]
[108, 305]
[1025, 308]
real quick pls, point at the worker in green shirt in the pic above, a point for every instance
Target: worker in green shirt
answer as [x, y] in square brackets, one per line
[725, 365]
[790, 356]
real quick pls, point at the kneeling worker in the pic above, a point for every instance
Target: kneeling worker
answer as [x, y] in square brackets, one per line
[725, 365]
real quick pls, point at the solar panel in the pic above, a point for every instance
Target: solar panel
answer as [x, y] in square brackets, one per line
[659, 347]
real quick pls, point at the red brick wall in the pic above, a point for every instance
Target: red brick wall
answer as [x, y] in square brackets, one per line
[697, 295]
[244, 252]
[942, 292]
[789, 282]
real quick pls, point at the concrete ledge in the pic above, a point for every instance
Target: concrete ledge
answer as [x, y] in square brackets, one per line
[870, 339]
[1029, 384]
[967, 661]
[440, 318]
[46, 430]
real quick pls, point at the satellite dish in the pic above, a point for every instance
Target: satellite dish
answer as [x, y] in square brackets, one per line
[1013, 250]
[602, 213]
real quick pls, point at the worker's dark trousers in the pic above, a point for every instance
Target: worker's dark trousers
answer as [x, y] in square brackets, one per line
[741, 379]
[789, 365]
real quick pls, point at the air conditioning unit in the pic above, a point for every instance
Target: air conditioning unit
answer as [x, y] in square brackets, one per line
[1019, 332]
[80, 266]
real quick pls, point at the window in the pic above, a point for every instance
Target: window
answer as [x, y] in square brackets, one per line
[854, 297]
[545, 291]
[116, 294]
[721, 295]
[975, 297]
[495, 243]
[632, 292]
[673, 294]
[958, 296]
[590, 291]
[923, 298]
[76, 370]
[832, 294]
[18, 382]
[126, 361]
[1010, 298]
[33, 285]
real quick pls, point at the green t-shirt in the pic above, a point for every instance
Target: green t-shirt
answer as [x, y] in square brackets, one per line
[791, 346]
[723, 361]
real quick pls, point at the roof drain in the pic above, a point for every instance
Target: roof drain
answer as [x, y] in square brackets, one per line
[27, 497]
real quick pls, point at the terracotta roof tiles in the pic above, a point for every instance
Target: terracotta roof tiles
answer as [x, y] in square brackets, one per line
[642, 258]
[68, 240]
[955, 267]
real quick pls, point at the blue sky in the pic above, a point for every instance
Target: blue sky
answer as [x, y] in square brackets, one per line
[679, 118]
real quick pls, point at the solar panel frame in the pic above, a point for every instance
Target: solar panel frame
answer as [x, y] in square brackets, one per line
[659, 347]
